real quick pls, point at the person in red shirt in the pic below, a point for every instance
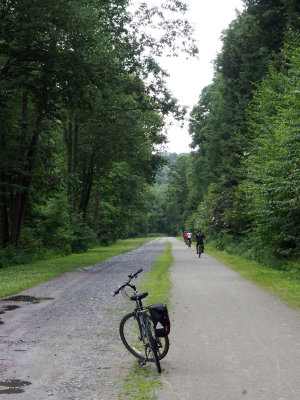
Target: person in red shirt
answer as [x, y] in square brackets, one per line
[185, 236]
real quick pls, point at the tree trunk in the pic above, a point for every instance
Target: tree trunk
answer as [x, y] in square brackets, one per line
[22, 195]
[71, 132]
[3, 200]
[97, 200]
[87, 187]
[17, 199]
[4, 223]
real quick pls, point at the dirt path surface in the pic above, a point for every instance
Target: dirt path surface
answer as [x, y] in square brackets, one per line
[230, 340]
[68, 347]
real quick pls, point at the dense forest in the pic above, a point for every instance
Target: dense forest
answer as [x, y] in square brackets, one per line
[83, 102]
[241, 183]
[83, 106]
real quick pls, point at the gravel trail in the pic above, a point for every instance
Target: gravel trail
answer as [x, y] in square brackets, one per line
[68, 347]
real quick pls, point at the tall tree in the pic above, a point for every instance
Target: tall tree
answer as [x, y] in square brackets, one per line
[82, 66]
[219, 123]
[273, 170]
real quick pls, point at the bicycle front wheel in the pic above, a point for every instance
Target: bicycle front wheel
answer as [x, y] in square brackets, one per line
[132, 338]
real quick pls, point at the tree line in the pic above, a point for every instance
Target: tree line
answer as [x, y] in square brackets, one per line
[83, 102]
[240, 184]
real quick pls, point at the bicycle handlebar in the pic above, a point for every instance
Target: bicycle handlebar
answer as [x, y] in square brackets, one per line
[127, 283]
[135, 274]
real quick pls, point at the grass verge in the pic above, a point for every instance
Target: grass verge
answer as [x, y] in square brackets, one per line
[141, 382]
[281, 283]
[157, 281]
[20, 277]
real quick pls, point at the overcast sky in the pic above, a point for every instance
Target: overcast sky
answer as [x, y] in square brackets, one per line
[189, 77]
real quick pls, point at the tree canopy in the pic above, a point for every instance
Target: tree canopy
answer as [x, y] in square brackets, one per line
[82, 106]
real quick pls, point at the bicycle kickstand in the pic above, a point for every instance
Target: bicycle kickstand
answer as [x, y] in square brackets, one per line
[142, 362]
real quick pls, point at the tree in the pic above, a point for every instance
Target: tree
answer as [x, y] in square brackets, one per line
[273, 169]
[219, 123]
[78, 69]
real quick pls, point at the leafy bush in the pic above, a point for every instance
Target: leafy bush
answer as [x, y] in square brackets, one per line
[8, 256]
[82, 235]
[50, 232]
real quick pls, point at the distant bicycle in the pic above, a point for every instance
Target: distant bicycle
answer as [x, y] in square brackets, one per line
[144, 332]
[200, 248]
[189, 239]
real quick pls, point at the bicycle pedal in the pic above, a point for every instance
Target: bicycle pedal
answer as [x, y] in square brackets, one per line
[142, 362]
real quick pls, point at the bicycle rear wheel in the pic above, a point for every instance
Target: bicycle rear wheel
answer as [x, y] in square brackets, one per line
[132, 338]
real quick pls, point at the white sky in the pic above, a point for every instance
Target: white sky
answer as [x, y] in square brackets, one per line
[189, 77]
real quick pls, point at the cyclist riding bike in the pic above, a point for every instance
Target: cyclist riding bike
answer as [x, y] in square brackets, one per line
[200, 241]
[189, 238]
[185, 236]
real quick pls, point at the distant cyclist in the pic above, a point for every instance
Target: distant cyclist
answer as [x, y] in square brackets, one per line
[189, 238]
[200, 241]
[185, 236]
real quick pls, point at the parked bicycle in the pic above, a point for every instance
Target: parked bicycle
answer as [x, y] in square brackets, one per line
[144, 332]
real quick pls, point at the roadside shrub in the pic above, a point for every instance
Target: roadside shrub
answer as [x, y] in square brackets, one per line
[224, 241]
[8, 255]
[83, 236]
[51, 231]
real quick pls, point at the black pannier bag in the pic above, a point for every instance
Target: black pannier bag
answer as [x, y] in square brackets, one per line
[160, 318]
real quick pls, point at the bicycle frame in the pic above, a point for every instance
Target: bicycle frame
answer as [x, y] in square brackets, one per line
[142, 318]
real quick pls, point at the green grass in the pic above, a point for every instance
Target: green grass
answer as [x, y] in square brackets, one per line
[141, 382]
[281, 283]
[14, 279]
[157, 281]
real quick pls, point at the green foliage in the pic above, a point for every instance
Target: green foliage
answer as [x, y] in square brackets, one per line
[241, 184]
[52, 225]
[83, 236]
[157, 216]
[8, 255]
[273, 169]
[124, 205]
[262, 213]
[49, 231]
[80, 99]
[178, 197]
[160, 215]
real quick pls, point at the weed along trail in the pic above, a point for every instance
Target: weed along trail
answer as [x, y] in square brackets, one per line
[230, 340]
[60, 339]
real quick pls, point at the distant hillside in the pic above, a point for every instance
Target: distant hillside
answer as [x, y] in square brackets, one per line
[162, 176]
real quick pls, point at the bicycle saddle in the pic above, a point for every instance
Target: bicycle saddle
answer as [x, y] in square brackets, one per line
[139, 296]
